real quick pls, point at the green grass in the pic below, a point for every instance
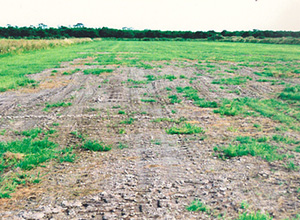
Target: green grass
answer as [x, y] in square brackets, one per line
[291, 93]
[97, 71]
[291, 166]
[185, 129]
[95, 145]
[128, 121]
[122, 146]
[270, 108]
[198, 206]
[28, 153]
[2, 132]
[139, 54]
[192, 94]
[58, 104]
[176, 121]
[252, 147]
[32, 133]
[148, 100]
[71, 72]
[239, 80]
[121, 112]
[174, 99]
[254, 216]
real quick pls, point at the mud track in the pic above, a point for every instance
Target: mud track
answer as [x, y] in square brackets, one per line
[158, 175]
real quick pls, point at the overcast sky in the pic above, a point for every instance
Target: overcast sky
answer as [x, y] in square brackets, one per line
[191, 15]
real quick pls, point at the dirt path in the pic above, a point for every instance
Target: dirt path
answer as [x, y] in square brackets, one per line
[158, 175]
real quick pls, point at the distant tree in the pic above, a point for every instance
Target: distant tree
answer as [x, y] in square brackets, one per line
[42, 26]
[78, 25]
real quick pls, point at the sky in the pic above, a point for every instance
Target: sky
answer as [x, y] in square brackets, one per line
[185, 15]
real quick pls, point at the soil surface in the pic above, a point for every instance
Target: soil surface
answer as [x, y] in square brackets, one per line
[157, 175]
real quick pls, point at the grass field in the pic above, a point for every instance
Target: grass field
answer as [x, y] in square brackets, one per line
[205, 129]
[271, 60]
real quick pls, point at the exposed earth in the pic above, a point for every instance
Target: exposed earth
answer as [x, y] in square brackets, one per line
[158, 174]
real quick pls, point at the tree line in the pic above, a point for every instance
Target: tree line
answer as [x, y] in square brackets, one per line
[78, 31]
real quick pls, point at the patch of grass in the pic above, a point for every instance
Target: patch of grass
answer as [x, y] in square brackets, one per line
[122, 131]
[185, 129]
[254, 216]
[270, 108]
[78, 135]
[252, 147]
[198, 206]
[122, 146]
[297, 149]
[26, 153]
[97, 71]
[56, 105]
[291, 93]
[2, 132]
[284, 139]
[291, 166]
[156, 142]
[174, 99]
[121, 112]
[176, 121]
[128, 121]
[71, 72]
[116, 106]
[232, 81]
[182, 77]
[168, 89]
[55, 124]
[95, 145]
[206, 104]
[148, 100]
[67, 155]
[244, 205]
[32, 133]
[257, 125]
[137, 81]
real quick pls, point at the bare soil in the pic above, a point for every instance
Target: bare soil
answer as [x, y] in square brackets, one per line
[158, 175]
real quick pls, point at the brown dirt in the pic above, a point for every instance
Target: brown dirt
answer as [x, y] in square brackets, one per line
[149, 179]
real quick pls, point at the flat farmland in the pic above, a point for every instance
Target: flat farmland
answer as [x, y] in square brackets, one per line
[112, 129]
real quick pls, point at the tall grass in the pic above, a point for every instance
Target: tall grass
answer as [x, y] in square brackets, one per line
[11, 46]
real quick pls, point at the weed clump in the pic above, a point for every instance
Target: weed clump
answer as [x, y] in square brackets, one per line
[95, 146]
[198, 206]
[185, 129]
[97, 71]
[251, 146]
[148, 100]
[254, 216]
[291, 93]
[232, 81]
